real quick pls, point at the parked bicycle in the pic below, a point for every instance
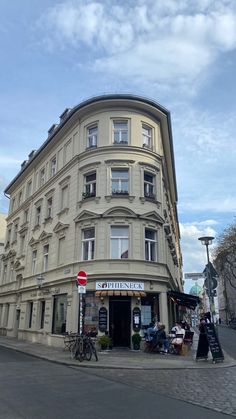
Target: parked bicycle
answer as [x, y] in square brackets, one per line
[83, 347]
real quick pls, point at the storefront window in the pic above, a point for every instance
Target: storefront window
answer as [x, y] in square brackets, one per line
[150, 310]
[91, 313]
[59, 314]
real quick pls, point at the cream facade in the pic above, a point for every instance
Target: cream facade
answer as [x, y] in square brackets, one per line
[98, 196]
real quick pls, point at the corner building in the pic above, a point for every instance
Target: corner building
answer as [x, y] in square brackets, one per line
[98, 196]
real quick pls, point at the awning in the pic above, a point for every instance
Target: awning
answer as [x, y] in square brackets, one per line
[120, 293]
[187, 300]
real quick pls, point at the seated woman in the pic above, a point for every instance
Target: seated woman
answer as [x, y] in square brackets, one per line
[162, 340]
[177, 341]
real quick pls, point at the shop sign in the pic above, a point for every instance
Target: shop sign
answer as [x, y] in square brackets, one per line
[120, 285]
[136, 319]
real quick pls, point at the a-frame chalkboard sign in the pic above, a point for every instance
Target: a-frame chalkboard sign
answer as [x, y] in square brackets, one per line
[209, 340]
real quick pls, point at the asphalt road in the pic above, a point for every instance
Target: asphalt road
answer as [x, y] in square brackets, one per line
[227, 337]
[31, 388]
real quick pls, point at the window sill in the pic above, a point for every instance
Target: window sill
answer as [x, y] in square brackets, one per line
[119, 196]
[121, 143]
[63, 211]
[144, 199]
[92, 198]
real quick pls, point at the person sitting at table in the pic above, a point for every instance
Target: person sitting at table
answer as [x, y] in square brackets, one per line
[178, 340]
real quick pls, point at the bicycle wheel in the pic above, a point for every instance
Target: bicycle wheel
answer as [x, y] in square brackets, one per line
[80, 350]
[87, 351]
[94, 351]
[73, 350]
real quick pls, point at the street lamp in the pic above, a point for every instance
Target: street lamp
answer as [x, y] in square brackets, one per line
[206, 241]
[39, 281]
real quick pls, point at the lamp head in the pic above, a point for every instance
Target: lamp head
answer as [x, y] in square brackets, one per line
[206, 240]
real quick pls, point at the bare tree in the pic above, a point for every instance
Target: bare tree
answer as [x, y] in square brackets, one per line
[225, 263]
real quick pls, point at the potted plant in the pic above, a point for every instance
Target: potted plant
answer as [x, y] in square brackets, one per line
[105, 342]
[136, 339]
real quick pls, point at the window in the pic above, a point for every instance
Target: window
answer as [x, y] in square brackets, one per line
[13, 203]
[120, 132]
[42, 314]
[92, 134]
[49, 208]
[15, 233]
[61, 250]
[8, 237]
[4, 276]
[64, 197]
[59, 314]
[37, 215]
[30, 314]
[120, 181]
[28, 188]
[88, 243]
[119, 242]
[19, 198]
[89, 185]
[53, 165]
[150, 244]
[12, 272]
[22, 244]
[41, 177]
[146, 136]
[34, 261]
[45, 257]
[26, 216]
[6, 315]
[149, 181]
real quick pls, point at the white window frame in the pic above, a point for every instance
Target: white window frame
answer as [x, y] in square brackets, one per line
[120, 131]
[88, 244]
[120, 181]
[150, 243]
[92, 135]
[53, 166]
[34, 261]
[146, 136]
[149, 187]
[42, 177]
[64, 196]
[90, 185]
[119, 240]
[45, 257]
[49, 207]
[29, 188]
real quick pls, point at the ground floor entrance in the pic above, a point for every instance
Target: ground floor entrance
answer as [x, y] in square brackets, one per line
[119, 321]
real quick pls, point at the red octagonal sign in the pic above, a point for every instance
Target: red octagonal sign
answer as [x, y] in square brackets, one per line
[81, 278]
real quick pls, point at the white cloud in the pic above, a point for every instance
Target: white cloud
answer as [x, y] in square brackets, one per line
[171, 43]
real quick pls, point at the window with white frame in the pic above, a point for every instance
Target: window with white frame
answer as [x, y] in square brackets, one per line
[150, 245]
[89, 185]
[53, 166]
[120, 132]
[37, 215]
[41, 177]
[64, 196]
[119, 242]
[92, 135]
[88, 243]
[146, 136]
[49, 207]
[149, 185]
[120, 181]
[34, 261]
[45, 257]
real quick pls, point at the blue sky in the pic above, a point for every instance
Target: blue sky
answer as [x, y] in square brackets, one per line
[54, 54]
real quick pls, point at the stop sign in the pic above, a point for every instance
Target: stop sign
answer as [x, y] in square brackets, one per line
[81, 278]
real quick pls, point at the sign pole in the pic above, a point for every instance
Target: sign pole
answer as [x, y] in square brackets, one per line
[80, 314]
[81, 282]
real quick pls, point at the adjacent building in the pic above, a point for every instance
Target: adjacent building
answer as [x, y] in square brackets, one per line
[98, 196]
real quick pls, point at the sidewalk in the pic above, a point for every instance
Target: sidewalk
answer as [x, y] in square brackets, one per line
[117, 359]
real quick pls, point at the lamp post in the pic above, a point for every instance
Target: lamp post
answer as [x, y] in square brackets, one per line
[206, 241]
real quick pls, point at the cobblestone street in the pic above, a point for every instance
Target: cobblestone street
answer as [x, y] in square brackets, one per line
[213, 389]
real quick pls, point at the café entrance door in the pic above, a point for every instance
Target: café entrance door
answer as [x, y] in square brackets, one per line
[119, 320]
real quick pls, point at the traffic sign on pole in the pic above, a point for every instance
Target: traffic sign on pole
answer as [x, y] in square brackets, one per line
[81, 289]
[82, 278]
